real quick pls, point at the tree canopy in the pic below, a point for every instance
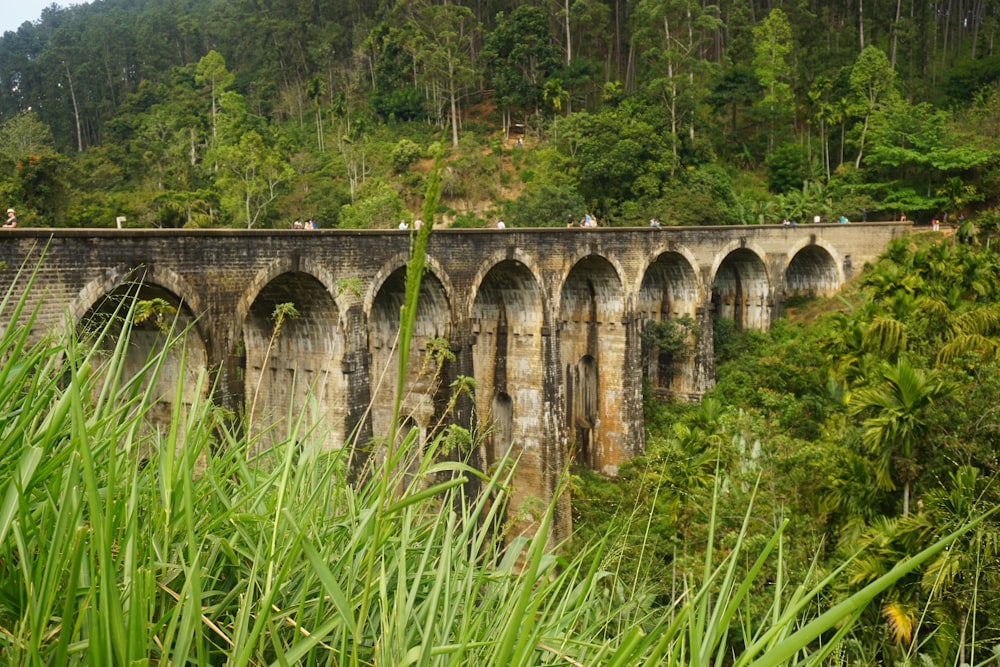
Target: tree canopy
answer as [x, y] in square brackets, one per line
[888, 111]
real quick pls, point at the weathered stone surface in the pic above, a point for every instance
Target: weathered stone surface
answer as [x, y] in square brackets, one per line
[548, 322]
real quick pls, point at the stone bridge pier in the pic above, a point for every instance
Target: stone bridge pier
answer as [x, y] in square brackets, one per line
[551, 324]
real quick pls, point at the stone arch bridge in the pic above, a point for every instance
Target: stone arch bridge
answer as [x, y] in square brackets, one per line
[549, 322]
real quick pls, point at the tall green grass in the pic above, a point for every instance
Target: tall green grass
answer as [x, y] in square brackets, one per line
[121, 544]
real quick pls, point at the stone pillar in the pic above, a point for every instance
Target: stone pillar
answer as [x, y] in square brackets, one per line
[357, 368]
[704, 355]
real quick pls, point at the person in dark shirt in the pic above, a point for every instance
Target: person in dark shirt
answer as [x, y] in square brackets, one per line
[11, 218]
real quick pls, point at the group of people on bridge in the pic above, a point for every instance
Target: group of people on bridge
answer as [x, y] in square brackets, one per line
[587, 220]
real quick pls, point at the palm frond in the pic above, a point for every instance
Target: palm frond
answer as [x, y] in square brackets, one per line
[886, 337]
[984, 321]
[901, 620]
[963, 345]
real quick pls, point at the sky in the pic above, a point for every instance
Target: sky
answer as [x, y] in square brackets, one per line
[15, 12]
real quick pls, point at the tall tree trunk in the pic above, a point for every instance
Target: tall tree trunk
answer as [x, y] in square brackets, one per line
[453, 102]
[673, 99]
[76, 110]
[945, 34]
[895, 36]
[569, 37]
[843, 134]
[569, 52]
[861, 24]
[617, 50]
[824, 146]
[320, 143]
[977, 19]
[690, 53]
[109, 71]
[861, 147]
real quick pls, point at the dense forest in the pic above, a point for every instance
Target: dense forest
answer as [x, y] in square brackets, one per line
[256, 112]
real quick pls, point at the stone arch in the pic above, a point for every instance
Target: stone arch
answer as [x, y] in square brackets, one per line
[508, 363]
[421, 400]
[812, 269]
[294, 385]
[282, 265]
[396, 264]
[516, 255]
[741, 289]
[573, 262]
[114, 278]
[676, 253]
[165, 332]
[593, 346]
[669, 291]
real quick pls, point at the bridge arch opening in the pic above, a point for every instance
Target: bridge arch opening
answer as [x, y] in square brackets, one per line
[812, 272]
[293, 384]
[161, 326]
[426, 369]
[507, 325]
[741, 291]
[592, 347]
[669, 295]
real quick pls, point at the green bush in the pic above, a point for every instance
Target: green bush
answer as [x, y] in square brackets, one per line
[543, 204]
[787, 168]
[404, 154]
[468, 220]
[399, 104]
[378, 207]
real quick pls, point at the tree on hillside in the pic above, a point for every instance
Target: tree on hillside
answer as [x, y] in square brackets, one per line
[735, 92]
[913, 152]
[520, 57]
[249, 178]
[873, 84]
[671, 38]
[25, 134]
[213, 75]
[899, 412]
[247, 168]
[442, 44]
[394, 94]
[619, 155]
[773, 48]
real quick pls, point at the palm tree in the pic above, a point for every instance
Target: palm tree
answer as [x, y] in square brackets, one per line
[963, 577]
[899, 419]
[940, 599]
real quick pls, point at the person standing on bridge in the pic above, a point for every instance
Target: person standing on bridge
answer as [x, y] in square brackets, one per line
[11, 219]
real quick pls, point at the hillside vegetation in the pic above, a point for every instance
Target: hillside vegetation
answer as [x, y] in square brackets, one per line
[253, 113]
[870, 430]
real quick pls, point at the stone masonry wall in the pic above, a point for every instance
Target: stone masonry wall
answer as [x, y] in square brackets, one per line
[549, 322]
